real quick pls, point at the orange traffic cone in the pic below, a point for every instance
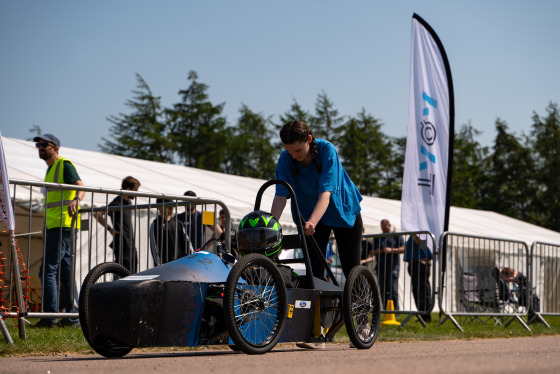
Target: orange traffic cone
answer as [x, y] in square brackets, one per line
[390, 319]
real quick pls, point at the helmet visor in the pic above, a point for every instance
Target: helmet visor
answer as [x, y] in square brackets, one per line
[257, 239]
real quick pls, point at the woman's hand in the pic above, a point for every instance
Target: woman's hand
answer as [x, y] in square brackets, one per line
[318, 211]
[309, 229]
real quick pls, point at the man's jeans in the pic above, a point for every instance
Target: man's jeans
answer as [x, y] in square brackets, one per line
[58, 263]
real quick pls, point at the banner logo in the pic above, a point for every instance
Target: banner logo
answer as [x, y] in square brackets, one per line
[428, 132]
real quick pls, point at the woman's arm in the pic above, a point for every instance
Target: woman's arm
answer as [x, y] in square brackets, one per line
[278, 205]
[318, 211]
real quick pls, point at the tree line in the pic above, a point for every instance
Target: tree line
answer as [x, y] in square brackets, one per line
[517, 176]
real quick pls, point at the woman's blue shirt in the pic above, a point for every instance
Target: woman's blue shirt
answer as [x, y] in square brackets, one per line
[345, 199]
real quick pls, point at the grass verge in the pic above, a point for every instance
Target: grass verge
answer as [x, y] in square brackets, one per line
[68, 340]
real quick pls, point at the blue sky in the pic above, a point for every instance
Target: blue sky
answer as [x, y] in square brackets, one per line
[67, 65]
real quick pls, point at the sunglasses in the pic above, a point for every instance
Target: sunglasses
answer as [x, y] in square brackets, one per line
[42, 145]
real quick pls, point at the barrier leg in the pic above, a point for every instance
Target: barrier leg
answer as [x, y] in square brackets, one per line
[5, 332]
[21, 328]
[406, 319]
[538, 318]
[520, 320]
[453, 321]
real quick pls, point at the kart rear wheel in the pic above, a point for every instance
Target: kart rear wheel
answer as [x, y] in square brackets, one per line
[105, 272]
[255, 304]
[361, 307]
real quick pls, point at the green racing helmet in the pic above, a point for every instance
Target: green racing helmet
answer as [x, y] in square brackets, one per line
[259, 232]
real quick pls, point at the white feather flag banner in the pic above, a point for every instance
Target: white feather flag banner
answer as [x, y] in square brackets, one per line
[429, 146]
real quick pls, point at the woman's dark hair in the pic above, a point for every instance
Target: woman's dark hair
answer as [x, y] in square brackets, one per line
[298, 131]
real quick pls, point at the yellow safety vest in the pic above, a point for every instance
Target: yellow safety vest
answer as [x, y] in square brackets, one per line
[53, 205]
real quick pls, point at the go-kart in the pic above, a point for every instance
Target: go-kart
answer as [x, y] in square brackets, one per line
[209, 299]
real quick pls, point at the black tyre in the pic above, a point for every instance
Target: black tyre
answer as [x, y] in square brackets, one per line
[105, 272]
[255, 304]
[361, 307]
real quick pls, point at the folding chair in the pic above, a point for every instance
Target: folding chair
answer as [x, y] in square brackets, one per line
[478, 295]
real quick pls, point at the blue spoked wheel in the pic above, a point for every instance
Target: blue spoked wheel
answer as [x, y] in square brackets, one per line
[255, 304]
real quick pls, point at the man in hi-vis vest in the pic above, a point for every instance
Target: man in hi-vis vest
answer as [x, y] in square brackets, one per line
[60, 207]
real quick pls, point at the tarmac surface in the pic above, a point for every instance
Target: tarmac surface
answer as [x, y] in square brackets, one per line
[515, 355]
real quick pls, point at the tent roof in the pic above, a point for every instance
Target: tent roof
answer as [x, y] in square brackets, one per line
[102, 170]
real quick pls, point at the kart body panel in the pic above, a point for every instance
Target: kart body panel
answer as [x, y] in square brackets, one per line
[162, 306]
[170, 305]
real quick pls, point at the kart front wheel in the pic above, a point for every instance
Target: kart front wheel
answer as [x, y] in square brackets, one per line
[361, 307]
[105, 272]
[255, 304]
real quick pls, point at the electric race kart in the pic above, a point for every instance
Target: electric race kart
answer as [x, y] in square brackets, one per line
[210, 299]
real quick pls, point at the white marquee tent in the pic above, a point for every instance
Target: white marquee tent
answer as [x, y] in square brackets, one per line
[238, 193]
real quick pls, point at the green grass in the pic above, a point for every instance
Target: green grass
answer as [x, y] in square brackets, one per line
[414, 331]
[43, 341]
[68, 340]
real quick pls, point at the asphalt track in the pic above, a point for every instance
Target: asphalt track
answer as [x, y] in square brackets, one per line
[516, 355]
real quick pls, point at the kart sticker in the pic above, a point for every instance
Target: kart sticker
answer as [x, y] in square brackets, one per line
[303, 304]
[140, 277]
[290, 311]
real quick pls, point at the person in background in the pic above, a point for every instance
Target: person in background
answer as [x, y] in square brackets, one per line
[168, 238]
[387, 252]
[122, 230]
[61, 206]
[367, 248]
[419, 258]
[192, 219]
[221, 232]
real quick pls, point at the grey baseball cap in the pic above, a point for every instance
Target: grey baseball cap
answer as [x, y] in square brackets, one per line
[48, 137]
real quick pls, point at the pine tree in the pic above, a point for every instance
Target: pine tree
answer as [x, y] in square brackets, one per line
[469, 169]
[545, 143]
[198, 127]
[364, 150]
[250, 153]
[142, 133]
[510, 189]
[393, 169]
[326, 120]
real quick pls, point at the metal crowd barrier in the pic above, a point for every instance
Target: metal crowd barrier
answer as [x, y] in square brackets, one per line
[90, 245]
[393, 276]
[544, 284]
[479, 280]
